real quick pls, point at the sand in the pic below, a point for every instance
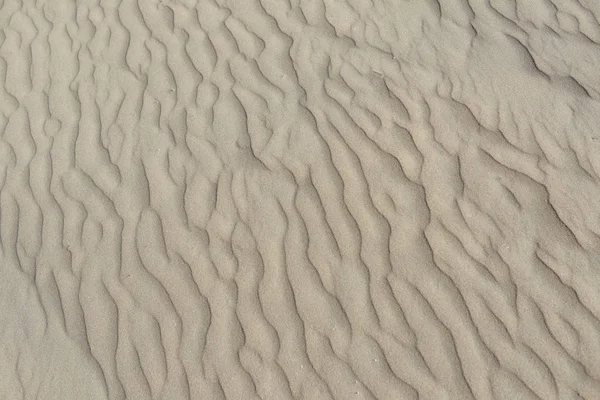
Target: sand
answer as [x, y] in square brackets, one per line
[299, 199]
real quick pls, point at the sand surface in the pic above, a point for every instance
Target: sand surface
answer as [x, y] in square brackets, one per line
[299, 199]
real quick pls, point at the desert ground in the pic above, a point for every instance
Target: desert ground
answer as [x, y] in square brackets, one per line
[299, 199]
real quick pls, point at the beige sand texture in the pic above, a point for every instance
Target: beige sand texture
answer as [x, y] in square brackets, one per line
[299, 199]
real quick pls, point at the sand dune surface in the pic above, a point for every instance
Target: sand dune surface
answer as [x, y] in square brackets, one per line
[299, 199]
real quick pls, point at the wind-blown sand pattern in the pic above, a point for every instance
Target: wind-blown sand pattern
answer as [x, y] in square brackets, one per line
[300, 199]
